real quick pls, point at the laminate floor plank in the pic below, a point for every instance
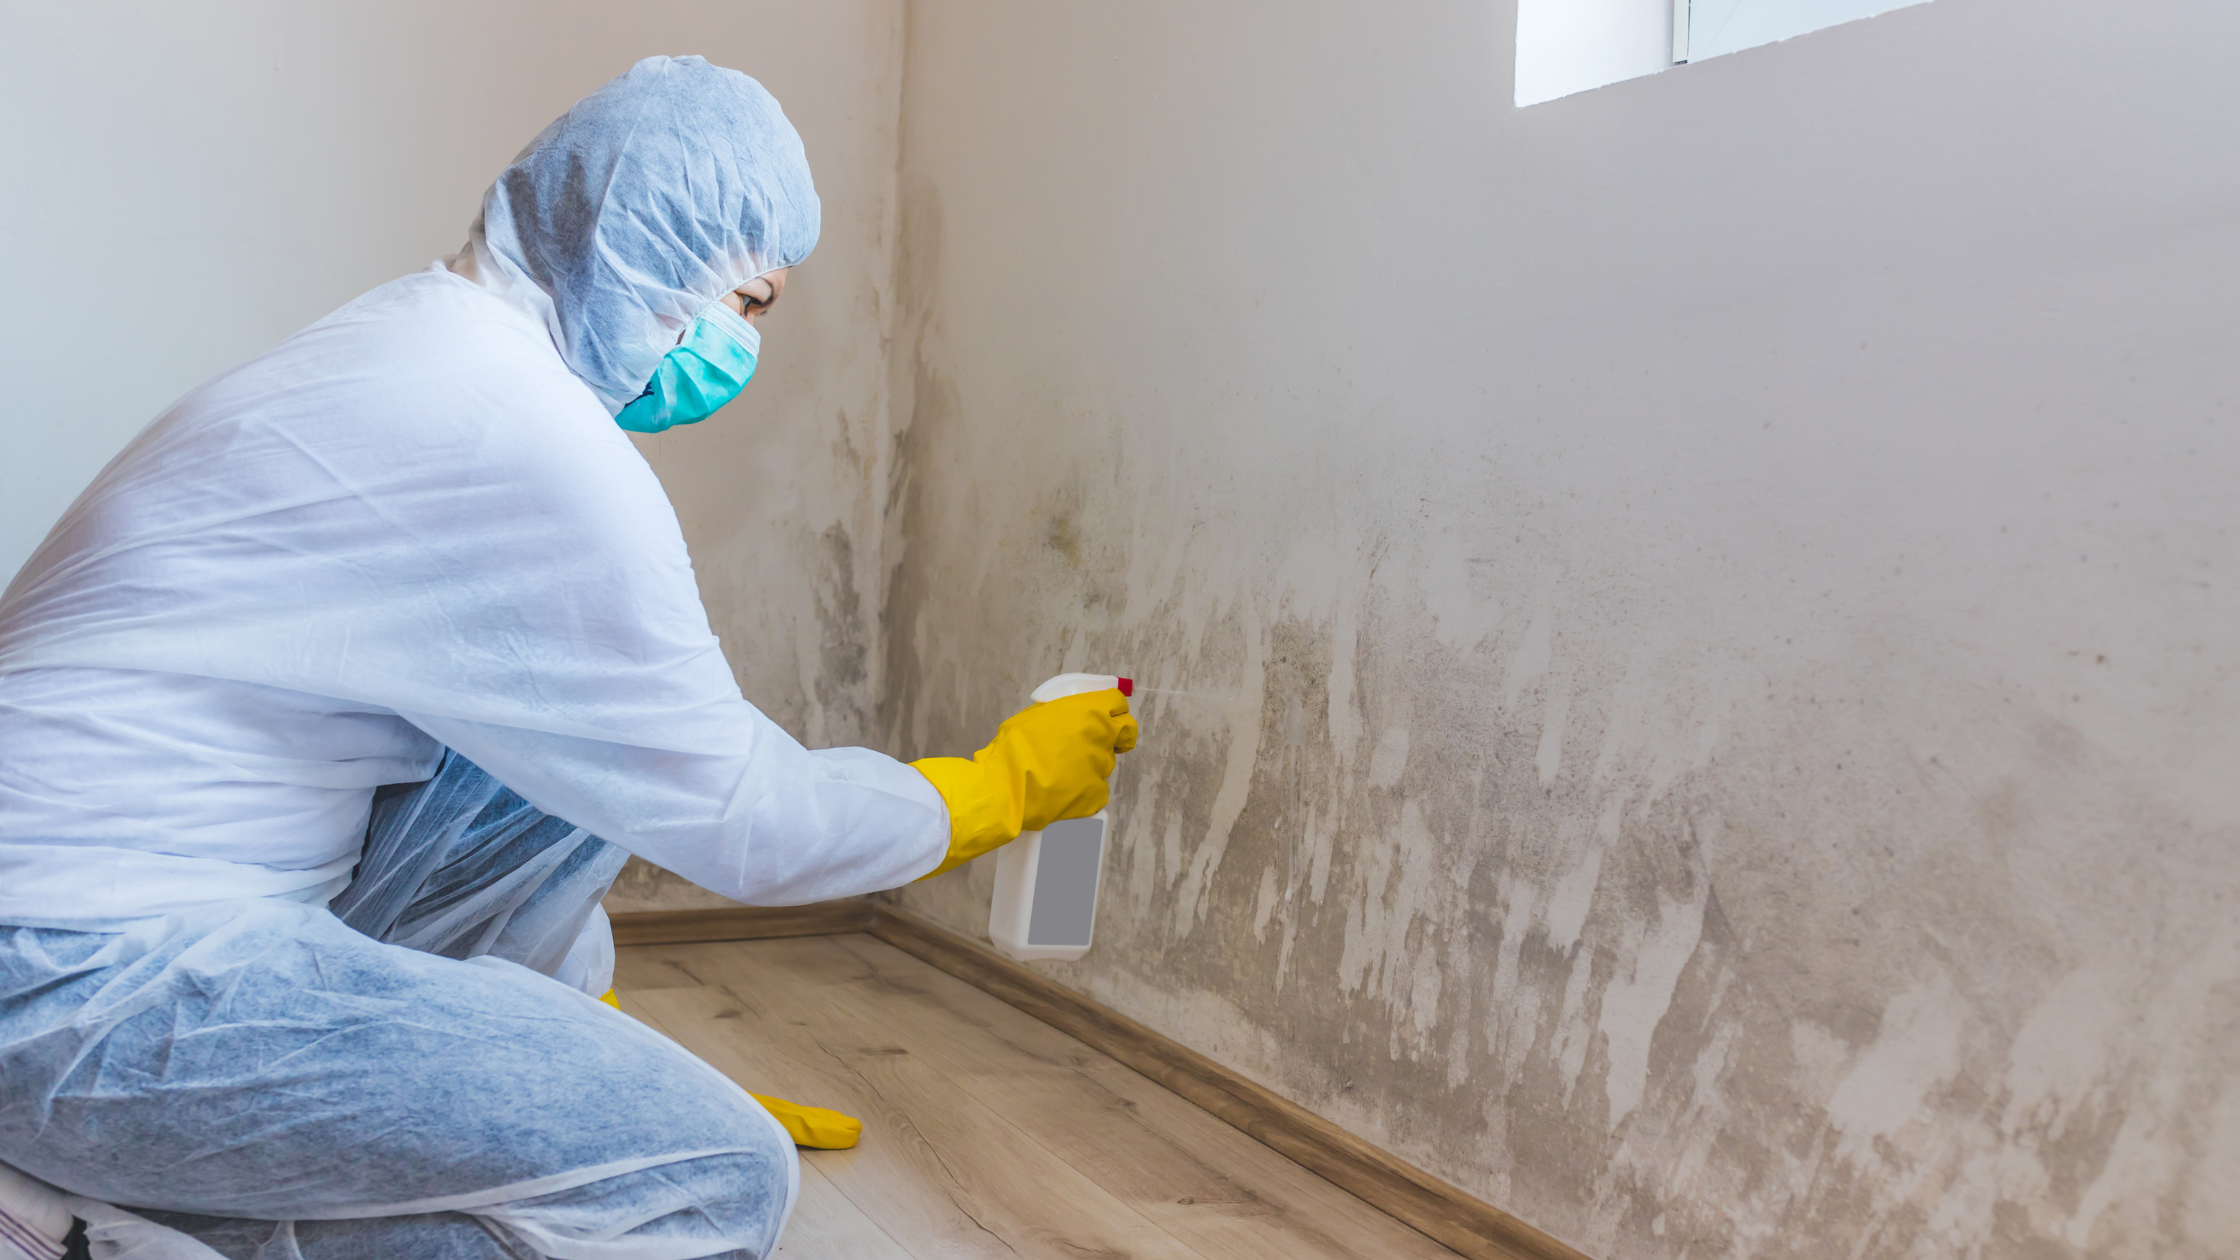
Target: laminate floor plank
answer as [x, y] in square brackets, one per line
[826, 1225]
[1199, 1177]
[824, 1222]
[641, 967]
[1196, 1178]
[940, 1173]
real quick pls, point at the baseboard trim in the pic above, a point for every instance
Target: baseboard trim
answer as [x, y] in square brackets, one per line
[1442, 1212]
[1446, 1214]
[742, 923]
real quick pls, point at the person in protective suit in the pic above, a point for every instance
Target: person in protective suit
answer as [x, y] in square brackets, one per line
[331, 709]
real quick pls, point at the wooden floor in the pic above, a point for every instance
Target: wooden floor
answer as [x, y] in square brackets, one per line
[986, 1131]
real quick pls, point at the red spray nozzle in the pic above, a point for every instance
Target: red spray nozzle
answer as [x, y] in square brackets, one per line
[1127, 686]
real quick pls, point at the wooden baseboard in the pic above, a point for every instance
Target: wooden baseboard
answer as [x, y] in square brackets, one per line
[1403, 1191]
[1467, 1224]
[742, 923]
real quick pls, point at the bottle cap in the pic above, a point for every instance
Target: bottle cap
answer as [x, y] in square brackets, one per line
[1078, 684]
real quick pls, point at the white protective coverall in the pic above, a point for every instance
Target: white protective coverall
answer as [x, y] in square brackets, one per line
[413, 527]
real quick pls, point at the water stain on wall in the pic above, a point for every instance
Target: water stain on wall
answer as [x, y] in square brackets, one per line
[1642, 873]
[1625, 961]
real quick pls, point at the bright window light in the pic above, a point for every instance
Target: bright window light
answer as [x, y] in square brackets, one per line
[1566, 46]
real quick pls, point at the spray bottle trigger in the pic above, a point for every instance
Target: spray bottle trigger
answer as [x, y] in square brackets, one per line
[1127, 686]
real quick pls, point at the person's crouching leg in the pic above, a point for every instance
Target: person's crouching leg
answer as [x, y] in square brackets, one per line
[728, 1206]
[429, 1236]
[734, 1203]
[264, 1062]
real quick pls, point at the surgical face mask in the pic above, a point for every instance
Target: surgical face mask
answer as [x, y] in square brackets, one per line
[706, 370]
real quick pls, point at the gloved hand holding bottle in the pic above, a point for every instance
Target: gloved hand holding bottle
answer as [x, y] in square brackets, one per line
[1048, 762]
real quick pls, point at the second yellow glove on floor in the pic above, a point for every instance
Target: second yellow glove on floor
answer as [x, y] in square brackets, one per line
[820, 1127]
[1049, 761]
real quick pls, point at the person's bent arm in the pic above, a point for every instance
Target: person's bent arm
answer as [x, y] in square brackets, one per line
[765, 821]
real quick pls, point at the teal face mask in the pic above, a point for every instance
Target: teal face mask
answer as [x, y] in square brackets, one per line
[706, 370]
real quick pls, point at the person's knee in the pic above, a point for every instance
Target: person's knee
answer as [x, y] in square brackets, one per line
[428, 1236]
[742, 1194]
[729, 1202]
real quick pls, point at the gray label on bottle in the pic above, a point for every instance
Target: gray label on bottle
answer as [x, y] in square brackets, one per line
[1065, 882]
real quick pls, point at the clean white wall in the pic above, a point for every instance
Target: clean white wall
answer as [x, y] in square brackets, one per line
[1708, 606]
[187, 184]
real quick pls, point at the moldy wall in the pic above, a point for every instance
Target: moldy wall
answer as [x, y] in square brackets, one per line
[1704, 609]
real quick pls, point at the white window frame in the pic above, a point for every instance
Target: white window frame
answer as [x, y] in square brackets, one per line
[1570, 46]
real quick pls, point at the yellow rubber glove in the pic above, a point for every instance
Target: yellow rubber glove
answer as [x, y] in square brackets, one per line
[1049, 761]
[819, 1127]
[611, 998]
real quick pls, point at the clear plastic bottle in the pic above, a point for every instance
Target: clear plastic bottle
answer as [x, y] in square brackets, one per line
[1045, 907]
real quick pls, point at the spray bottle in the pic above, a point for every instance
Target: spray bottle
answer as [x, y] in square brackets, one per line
[1045, 907]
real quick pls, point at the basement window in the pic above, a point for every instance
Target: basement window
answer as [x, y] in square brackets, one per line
[1567, 46]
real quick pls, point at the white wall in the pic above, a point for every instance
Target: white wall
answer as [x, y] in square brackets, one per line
[1709, 605]
[190, 183]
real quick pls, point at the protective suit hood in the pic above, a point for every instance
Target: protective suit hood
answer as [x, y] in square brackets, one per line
[652, 197]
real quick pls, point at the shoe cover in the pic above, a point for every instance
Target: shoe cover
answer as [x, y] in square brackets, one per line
[115, 1234]
[34, 1222]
